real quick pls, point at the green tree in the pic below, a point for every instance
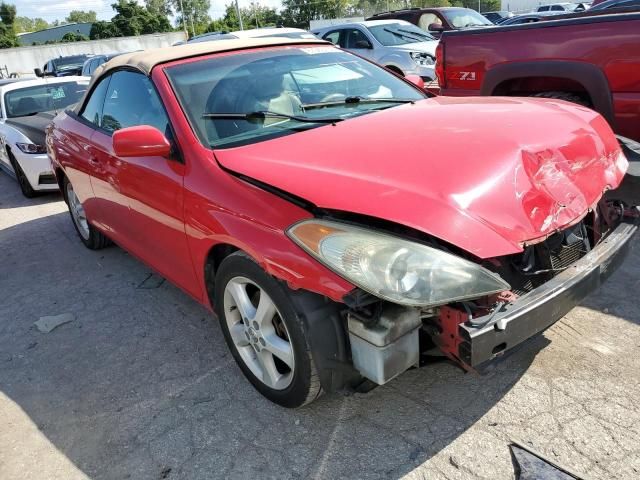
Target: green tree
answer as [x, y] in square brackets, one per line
[8, 37]
[253, 16]
[298, 13]
[102, 29]
[39, 24]
[162, 7]
[73, 37]
[80, 16]
[133, 19]
[7, 13]
[196, 14]
[23, 24]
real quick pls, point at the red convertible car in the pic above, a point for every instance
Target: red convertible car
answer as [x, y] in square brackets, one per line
[338, 219]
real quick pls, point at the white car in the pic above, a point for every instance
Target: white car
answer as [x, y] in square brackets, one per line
[26, 108]
[398, 45]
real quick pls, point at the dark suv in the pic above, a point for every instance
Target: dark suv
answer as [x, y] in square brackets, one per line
[62, 66]
[437, 20]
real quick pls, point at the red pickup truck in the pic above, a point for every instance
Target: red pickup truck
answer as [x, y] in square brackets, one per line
[592, 60]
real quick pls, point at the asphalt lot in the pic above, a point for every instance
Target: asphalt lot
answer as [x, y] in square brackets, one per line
[140, 384]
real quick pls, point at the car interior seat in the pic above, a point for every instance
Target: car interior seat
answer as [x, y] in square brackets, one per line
[25, 106]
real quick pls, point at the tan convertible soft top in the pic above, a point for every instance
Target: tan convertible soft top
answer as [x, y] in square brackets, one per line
[147, 59]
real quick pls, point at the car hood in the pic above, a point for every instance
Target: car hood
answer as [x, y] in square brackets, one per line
[33, 127]
[485, 174]
[426, 47]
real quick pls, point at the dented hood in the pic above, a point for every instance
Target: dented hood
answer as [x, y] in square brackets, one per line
[484, 174]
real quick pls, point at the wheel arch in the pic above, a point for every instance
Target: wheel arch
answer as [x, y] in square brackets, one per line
[217, 253]
[321, 318]
[588, 77]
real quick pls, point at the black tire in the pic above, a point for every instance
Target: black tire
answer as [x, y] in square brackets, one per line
[305, 385]
[23, 181]
[395, 70]
[95, 240]
[568, 97]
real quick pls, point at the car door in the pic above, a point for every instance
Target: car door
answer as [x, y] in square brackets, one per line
[141, 198]
[75, 149]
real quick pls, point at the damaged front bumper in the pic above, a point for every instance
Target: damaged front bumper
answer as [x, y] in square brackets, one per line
[534, 312]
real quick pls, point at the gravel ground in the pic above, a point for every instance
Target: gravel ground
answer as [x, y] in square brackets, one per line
[140, 384]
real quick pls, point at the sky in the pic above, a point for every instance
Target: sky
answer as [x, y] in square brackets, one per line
[52, 10]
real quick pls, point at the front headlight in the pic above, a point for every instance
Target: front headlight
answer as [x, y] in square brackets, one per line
[423, 59]
[393, 269]
[31, 148]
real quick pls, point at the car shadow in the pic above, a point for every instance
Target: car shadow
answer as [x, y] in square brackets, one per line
[9, 199]
[620, 302]
[141, 383]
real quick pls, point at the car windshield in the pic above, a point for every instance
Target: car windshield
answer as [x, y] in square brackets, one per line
[250, 97]
[465, 18]
[69, 62]
[389, 34]
[42, 98]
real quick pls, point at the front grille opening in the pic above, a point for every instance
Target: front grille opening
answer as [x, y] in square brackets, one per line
[541, 262]
[46, 179]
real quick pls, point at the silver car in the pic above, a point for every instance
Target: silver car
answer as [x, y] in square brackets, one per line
[395, 44]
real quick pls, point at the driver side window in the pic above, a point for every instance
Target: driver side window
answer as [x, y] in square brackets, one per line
[332, 37]
[131, 100]
[355, 39]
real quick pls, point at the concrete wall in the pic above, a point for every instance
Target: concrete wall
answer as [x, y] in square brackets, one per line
[524, 6]
[54, 33]
[23, 60]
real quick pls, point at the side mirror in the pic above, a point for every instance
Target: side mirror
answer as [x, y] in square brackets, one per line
[416, 80]
[140, 141]
[38, 72]
[436, 27]
[363, 44]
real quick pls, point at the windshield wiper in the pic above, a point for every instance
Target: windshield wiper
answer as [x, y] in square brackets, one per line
[401, 35]
[418, 35]
[356, 101]
[261, 115]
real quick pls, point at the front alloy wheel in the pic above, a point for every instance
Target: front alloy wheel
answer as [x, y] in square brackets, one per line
[264, 332]
[258, 333]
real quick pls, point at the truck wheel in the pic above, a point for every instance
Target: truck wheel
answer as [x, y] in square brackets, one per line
[264, 332]
[90, 236]
[23, 181]
[568, 97]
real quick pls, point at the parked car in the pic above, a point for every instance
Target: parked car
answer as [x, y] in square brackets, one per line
[439, 19]
[610, 4]
[338, 219]
[396, 44]
[95, 61]
[62, 66]
[528, 18]
[603, 73]
[562, 7]
[497, 17]
[253, 33]
[26, 108]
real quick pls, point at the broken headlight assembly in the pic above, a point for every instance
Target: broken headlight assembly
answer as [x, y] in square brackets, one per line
[423, 59]
[31, 148]
[393, 269]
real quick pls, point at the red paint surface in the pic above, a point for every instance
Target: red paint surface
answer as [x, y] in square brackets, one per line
[485, 176]
[490, 174]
